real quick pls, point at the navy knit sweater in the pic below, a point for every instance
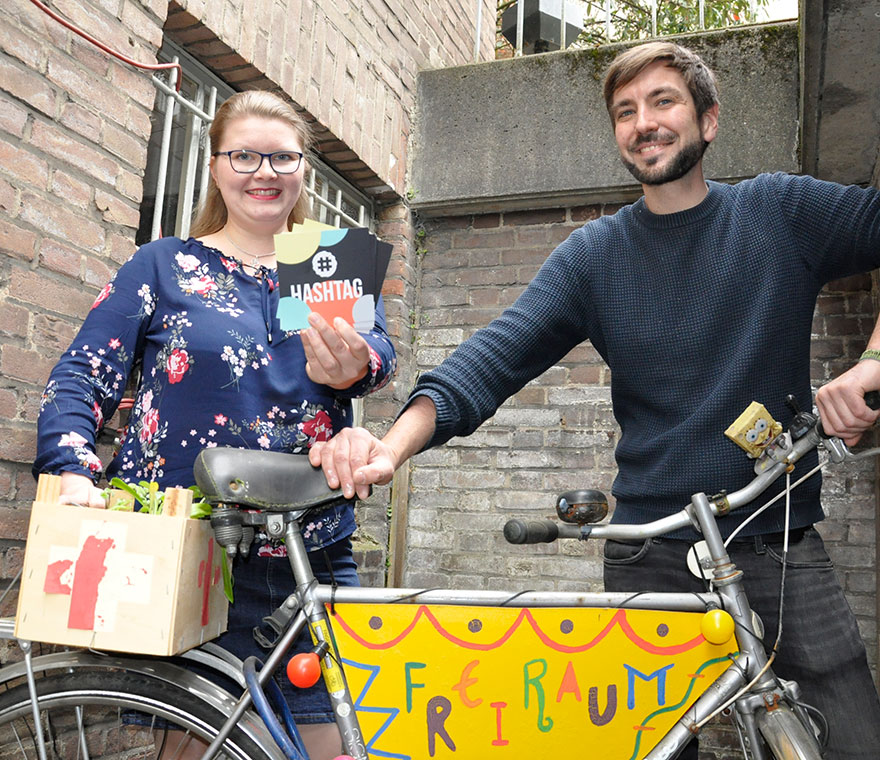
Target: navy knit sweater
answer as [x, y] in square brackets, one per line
[697, 314]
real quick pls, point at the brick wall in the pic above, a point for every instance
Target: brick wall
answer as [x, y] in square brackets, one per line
[541, 442]
[74, 126]
[845, 315]
[394, 225]
[350, 64]
[558, 433]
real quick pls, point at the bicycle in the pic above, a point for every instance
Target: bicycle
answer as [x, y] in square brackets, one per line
[67, 704]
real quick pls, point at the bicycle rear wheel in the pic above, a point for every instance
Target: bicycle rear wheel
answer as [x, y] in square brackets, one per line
[114, 714]
[786, 737]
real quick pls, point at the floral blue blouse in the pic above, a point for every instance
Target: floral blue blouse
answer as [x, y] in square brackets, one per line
[216, 370]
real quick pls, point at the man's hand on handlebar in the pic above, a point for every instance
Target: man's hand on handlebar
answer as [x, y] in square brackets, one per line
[353, 460]
[842, 405]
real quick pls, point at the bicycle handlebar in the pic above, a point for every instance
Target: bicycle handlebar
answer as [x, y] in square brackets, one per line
[518, 531]
[546, 531]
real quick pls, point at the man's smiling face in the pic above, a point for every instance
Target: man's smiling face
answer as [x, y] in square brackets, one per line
[656, 127]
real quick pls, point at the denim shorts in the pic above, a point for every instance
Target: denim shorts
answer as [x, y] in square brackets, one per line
[261, 585]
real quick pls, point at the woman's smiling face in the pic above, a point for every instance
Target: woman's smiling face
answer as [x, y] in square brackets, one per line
[260, 202]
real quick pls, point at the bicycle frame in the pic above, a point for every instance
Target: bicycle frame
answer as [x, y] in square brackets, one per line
[747, 684]
[311, 600]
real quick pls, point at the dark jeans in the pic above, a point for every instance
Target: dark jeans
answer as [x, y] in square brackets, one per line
[821, 647]
[261, 585]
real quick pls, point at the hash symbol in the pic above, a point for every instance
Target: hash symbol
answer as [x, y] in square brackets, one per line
[324, 264]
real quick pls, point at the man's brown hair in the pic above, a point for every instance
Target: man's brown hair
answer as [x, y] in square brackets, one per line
[696, 74]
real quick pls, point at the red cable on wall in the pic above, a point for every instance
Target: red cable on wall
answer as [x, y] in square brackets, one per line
[125, 59]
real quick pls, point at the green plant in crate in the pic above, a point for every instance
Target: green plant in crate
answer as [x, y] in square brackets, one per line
[151, 501]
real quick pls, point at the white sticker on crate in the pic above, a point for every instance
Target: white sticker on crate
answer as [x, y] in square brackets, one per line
[98, 573]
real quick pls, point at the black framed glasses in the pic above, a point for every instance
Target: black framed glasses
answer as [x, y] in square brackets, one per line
[249, 161]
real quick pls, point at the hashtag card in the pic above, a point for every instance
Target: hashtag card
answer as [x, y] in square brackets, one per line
[335, 272]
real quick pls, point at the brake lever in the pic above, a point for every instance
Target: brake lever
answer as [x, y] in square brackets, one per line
[836, 448]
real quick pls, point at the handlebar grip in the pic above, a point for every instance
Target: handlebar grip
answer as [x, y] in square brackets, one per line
[531, 532]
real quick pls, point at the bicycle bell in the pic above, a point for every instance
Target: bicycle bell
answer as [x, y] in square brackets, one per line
[582, 506]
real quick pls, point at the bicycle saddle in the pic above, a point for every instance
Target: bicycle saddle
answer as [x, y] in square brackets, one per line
[268, 480]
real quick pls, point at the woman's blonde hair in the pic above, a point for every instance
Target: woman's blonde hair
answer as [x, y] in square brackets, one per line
[211, 214]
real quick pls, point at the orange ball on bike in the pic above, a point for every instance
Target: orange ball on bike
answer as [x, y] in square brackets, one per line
[304, 670]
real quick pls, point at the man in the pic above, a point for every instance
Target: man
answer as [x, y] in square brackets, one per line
[700, 298]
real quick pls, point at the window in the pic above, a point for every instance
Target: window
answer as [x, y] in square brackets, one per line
[335, 201]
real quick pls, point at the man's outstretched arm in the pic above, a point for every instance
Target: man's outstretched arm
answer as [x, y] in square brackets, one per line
[354, 458]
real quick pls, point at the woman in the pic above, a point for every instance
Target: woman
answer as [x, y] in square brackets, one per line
[199, 319]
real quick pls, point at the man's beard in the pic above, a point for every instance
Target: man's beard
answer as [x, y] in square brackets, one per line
[688, 157]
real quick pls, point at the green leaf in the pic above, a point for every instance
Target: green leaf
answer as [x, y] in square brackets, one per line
[138, 493]
[200, 510]
[228, 580]
[155, 499]
[120, 505]
[151, 499]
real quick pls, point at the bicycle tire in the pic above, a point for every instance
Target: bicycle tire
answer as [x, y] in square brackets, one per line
[785, 736]
[122, 714]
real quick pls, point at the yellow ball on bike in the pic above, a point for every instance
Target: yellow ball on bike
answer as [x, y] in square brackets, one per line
[717, 626]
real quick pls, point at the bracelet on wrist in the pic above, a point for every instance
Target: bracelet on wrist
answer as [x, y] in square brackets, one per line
[870, 353]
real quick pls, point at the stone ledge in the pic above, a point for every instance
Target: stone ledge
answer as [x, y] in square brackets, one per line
[534, 132]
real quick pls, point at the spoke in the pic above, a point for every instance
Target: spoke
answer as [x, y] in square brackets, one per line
[182, 744]
[51, 736]
[81, 749]
[18, 740]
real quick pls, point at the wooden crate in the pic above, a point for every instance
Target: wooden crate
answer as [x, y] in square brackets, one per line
[120, 581]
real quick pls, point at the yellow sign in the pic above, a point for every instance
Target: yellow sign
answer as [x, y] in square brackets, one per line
[489, 682]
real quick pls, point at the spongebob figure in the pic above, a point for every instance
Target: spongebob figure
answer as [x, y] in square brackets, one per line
[753, 430]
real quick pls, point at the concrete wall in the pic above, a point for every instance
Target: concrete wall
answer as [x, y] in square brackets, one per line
[841, 102]
[534, 131]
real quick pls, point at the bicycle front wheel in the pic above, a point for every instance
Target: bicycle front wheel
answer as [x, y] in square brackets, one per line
[786, 737]
[114, 714]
